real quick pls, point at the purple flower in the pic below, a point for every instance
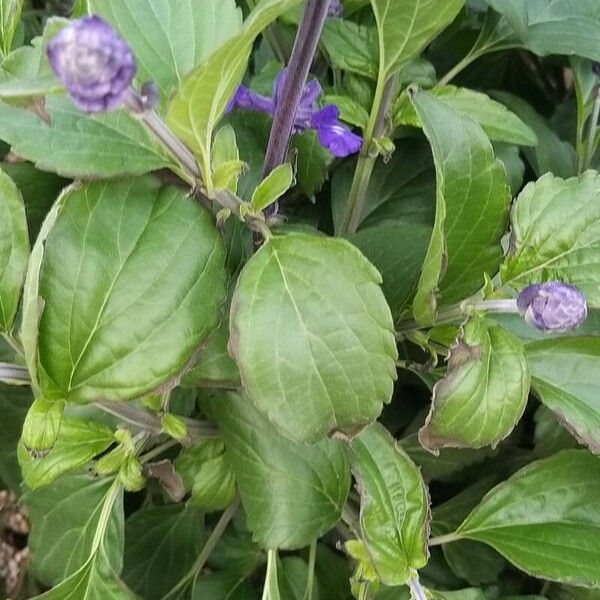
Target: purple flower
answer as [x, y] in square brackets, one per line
[335, 8]
[334, 136]
[94, 63]
[552, 306]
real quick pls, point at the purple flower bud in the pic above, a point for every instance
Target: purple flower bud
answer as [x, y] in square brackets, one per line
[552, 306]
[335, 8]
[93, 62]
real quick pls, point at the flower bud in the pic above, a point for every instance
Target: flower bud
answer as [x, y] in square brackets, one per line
[335, 8]
[552, 306]
[94, 63]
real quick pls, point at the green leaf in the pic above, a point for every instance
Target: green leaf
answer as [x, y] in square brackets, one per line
[14, 402]
[554, 26]
[545, 519]
[215, 368]
[203, 95]
[222, 586]
[169, 39]
[350, 110]
[161, 545]
[308, 485]
[236, 551]
[64, 518]
[312, 162]
[313, 337]
[92, 582]
[407, 26]
[394, 513]
[10, 14]
[397, 249]
[550, 436]
[77, 443]
[214, 485]
[333, 574]
[26, 72]
[126, 256]
[556, 234]
[401, 189]
[351, 47]
[566, 377]
[33, 304]
[76, 145]
[273, 186]
[293, 577]
[472, 205]
[551, 153]
[498, 123]
[484, 393]
[39, 191]
[42, 425]
[14, 249]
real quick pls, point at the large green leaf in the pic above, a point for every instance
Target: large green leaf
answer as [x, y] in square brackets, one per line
[394, 512]
[292, 493]
[203, 95]
[397, 248]
[545, 519]
[64, 518]
[161, 545]
[313, 336]
[472, 205]
[77, 443]
[499, 124]
[170, 38]
[566, 377]
[14, 249]
[222, 585]
[484, 393]
[14, 403]
[407, 26]
[551, 153]
[554, 26]
[76, 145]
[556, 234]
[132, 279]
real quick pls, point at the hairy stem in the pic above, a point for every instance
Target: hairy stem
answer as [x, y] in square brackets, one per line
[303, 53]
[417, 591]
[444, 539]
[147, 421]
[366, 160]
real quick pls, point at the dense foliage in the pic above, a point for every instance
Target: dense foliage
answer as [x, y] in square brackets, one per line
[299, 299]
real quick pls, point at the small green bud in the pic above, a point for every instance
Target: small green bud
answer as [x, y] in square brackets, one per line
[174, 426]
[131, 476]
[42, 425]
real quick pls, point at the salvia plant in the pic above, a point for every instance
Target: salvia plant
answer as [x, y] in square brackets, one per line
[299, 299]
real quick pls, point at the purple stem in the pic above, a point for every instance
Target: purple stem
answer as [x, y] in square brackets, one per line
[305, 47]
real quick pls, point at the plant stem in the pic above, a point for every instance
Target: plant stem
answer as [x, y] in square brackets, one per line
[147, 421]
[363, 593]
[443, 539]
[107, 506]
[211, 542]
[138, 107]
[416, 589]
[589, 151]
[310, 581]
[14, 374]
[350, 517]
[157, 450]
[303, 53]
[366, 159]
[270, 576]
[459, 311]
[458, 68]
